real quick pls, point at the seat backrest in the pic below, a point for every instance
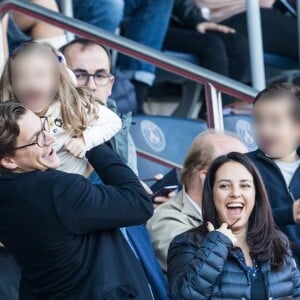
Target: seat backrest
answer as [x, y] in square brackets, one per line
[280, 61]
[162, 142]
[241, 125]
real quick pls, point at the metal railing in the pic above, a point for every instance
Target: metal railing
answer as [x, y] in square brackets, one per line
[258, 75]
[214, 83]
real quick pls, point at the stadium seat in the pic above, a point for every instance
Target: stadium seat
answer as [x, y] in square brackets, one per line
[241, 125]
[279, 61]
[190, 90]
[162, 142]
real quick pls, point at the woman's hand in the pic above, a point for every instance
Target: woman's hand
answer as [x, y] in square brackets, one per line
[224, 230]
[76, 146]
[204, 26]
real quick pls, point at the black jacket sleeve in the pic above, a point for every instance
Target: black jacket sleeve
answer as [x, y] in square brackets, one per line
[83, 207]
[284, 216]
[193, 268]
[187, 13]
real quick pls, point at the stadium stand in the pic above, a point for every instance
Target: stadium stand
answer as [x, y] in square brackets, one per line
[161, 142]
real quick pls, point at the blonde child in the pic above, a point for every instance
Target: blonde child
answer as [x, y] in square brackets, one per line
[36, 76]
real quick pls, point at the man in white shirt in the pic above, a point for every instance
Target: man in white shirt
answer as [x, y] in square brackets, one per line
[183, 212]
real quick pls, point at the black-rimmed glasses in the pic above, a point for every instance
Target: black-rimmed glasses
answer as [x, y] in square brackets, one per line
[100, 79]
[41, 136]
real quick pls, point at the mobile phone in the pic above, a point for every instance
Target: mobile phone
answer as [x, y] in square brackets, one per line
[164, 191]
[171, 178]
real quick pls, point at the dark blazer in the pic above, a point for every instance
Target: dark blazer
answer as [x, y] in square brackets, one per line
[204, 267]
[63, 232]
[281, 196]
[10, 275]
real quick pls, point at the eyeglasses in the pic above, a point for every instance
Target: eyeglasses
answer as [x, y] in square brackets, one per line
[100, 79]
[41, 136]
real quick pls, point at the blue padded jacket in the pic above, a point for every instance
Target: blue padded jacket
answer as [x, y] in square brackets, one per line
[204, 267]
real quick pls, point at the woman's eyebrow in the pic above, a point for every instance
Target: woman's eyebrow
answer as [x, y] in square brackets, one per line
[242, 180]
[85, 71]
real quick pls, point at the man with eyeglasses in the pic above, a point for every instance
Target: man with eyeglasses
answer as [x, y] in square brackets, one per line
[62, 230]
[143, 21]
[91, 64]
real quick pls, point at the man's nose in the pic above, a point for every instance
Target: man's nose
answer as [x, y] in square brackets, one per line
[91, 85]
[49, 139]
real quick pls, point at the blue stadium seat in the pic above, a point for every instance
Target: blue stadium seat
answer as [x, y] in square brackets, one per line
[279, 61]
[241, 125]
[162, 142]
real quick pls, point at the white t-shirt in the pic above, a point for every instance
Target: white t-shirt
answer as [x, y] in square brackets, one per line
[98, 132]
[287, 169]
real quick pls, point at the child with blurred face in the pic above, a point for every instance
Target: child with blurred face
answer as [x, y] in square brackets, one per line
[36, 77]
[277, 123]
[276, 115]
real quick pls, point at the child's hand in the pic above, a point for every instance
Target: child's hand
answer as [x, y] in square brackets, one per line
[76, 146]
[296, 211]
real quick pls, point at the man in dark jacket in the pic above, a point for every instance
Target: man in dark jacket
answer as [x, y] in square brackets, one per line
[62, 230]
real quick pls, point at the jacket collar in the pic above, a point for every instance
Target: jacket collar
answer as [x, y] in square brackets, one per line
[188, 207]
[6, 175]
[261, 154]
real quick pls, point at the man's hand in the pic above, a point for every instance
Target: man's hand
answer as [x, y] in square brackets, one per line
[76, 146]
[206, 26]
[157, 201]
[296, 211]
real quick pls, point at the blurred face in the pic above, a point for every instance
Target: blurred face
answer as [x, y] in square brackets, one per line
[91, 60]
[35, 81]
[277, 134]
[234, 194]
[33, 157]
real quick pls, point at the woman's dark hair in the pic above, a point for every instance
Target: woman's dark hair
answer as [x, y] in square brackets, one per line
[284, 91]
[10, 113]
[265, 241]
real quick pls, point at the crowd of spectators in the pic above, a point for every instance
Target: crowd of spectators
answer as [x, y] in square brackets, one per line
[77, 222]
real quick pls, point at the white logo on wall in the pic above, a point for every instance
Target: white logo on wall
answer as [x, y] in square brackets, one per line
[153, 135]
[245, 133]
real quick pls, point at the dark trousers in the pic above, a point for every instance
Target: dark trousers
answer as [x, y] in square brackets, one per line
[226, 54]
[279, 31]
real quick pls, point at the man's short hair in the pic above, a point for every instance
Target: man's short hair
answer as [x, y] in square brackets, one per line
[85, 43]
[201, 154]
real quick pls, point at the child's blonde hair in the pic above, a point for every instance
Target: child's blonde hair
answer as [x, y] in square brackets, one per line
[76, 103]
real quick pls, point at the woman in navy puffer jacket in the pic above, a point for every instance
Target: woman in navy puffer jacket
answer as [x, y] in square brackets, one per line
[246, 257]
